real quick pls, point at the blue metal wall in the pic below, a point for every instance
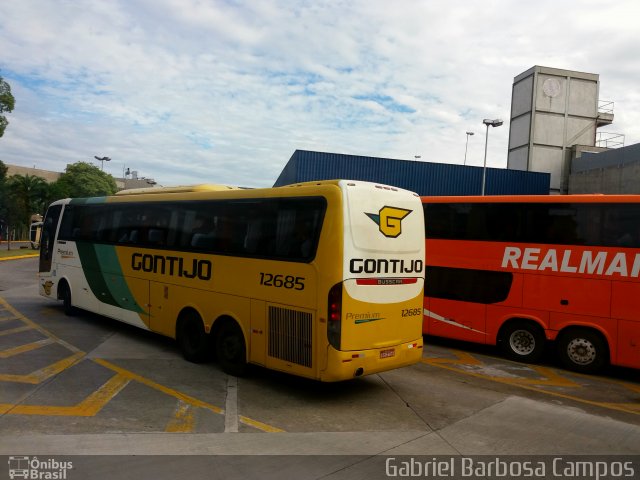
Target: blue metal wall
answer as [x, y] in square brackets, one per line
[423, 178]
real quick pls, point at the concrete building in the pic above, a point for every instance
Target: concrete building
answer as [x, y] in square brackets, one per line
[48, 175]
[611, 171]
[554, 115]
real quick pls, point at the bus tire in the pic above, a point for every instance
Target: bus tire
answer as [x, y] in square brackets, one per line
[64, 294]
[582, 350]
[192, 339]
[231, 349]
[522, 341]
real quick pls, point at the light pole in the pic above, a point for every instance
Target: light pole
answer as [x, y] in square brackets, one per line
[466, 146]
[102, 160]
[417, 157]
[494, 123]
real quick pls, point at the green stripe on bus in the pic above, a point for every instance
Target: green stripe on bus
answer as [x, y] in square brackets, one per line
[118, 287]
[98, 259]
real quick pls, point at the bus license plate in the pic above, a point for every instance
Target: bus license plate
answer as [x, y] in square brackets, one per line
[387, 353]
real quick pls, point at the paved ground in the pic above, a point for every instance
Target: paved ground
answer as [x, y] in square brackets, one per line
[89, 385]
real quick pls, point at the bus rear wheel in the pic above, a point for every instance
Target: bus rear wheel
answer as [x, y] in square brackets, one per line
[582, 350]
[231, 349]
[522, 341]
[192, 339]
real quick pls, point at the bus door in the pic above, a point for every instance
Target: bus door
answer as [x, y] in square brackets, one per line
[47, 243]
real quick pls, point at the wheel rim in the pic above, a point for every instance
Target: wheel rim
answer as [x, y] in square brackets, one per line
[581, 351]
[522, 342]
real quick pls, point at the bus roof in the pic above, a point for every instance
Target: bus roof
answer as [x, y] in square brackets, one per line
[207, 191]
[205, 187]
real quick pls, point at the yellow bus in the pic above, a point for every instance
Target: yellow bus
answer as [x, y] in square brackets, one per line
[322, 280]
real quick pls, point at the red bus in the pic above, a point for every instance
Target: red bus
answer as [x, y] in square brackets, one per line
[520, 271]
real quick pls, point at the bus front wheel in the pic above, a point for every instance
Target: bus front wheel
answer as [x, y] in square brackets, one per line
[522, 341]
[192, 339]
[582, 350]
[231, 349]
[64, 294]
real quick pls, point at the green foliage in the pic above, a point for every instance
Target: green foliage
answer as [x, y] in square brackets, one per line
[7, 103]
[27, 194]
[82, 179]
[20, 197]
[3, 171]
[3, 198]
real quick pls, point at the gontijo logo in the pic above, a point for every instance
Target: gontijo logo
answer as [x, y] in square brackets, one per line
[389, 220]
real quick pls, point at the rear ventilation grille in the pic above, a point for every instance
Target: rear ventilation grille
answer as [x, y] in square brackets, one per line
[290, 335]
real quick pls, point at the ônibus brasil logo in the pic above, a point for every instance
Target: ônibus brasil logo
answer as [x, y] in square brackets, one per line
[389, 220]
[34, 468]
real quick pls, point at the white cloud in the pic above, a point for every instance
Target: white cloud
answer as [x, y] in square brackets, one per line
[193, 91]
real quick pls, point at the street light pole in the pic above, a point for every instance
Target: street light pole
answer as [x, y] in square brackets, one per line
[494, 123]
[466, 146]
[102, 160]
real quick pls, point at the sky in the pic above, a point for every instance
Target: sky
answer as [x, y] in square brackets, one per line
[207, 91]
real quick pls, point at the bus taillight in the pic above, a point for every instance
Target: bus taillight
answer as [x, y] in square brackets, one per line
[334, 315]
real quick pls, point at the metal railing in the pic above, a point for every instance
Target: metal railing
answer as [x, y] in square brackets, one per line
[609, 140]
[605, 106]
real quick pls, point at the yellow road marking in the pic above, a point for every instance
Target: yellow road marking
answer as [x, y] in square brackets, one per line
[259, 425]
[44, 373]
[35, 326]
[16, 257]
[635, 407]
[11, 331]
[89, 407]
[629, 386]
[97, 400]
[183, 397]
[550, 378]
[452, 365]
[150, 383]
[10, 352]
[183, 419]
[463, 358]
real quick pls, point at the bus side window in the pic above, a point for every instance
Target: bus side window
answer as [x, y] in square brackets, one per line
[285, 232]
[254, 234]
[202, 241]
[155, 236]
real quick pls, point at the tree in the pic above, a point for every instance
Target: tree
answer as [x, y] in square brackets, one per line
[27, 195]
[3, 198]
[82, 179]
[7, 102]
